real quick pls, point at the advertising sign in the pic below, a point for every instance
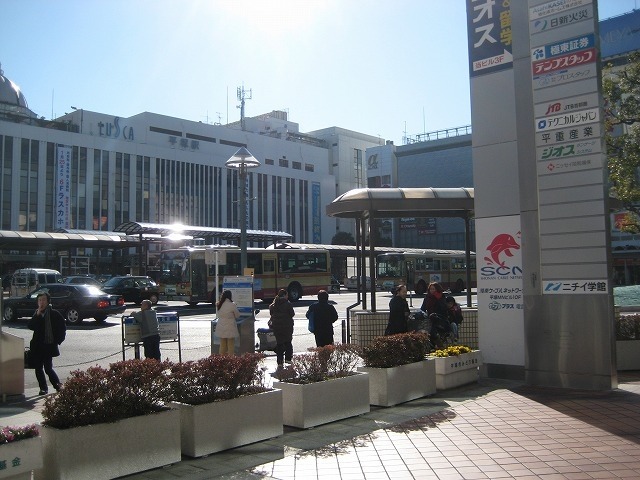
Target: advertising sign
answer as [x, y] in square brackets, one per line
[241, 288]
[489, 36]
[499, 263]
[562, 18]
[167, 323]
[63, 187]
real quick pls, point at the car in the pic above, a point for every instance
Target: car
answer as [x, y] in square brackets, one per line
[82, 280]
[133, 289]
[334, 287]
[75, 302]
[351, 283]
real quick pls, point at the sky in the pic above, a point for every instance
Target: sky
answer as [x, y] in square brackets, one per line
[380, 67]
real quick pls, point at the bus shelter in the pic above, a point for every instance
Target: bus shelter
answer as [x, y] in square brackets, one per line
[367, 204]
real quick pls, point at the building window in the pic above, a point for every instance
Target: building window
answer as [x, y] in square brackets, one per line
[268, 161]
[358, 168]
[283, 162]
[308, 167]
[296, 165]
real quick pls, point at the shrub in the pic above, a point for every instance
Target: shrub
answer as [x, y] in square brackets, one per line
[394, 350]
[452, 351]
[322, 363]
[628, 327]
[98, 395]
[216, 378]
[14, 434]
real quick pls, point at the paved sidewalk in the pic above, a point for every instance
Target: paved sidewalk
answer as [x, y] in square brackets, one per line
[493, 429]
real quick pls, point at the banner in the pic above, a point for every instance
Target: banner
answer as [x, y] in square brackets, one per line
[62, 199]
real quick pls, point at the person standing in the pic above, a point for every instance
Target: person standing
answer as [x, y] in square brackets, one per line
[324, 315]
[49, 331]
[227, 328]
[398, 312]
[149, 329]
[281, 322]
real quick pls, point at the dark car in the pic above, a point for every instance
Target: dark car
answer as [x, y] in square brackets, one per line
[75, 302]
[82, 280]
[133, 289]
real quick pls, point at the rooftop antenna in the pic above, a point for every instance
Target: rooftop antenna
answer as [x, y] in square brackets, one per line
[242, 95]
[219, 118]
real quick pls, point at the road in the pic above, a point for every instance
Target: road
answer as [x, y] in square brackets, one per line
[101, 344]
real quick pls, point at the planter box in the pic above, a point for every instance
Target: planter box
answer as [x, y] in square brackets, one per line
[628, 354]
[217, 426]
[394, 385]
[452, 372]
[110, 450]
[314, 404]
[20, 458]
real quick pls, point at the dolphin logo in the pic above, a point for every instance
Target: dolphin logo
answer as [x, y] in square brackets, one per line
[502, 243]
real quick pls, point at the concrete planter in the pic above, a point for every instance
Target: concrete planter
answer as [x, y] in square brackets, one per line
[110, 450]
[217, 426]
[452, 372]
[314, 404]
[394, 385]
[20, 458]
[628, 354]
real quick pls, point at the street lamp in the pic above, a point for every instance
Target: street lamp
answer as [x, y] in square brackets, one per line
[243, 160]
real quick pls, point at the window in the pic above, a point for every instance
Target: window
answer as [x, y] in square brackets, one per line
[283, 162]
[308, 167]
[296, 165]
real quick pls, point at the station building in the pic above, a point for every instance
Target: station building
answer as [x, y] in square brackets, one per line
[94, 171]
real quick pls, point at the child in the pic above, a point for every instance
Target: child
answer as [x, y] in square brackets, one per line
[454, 312]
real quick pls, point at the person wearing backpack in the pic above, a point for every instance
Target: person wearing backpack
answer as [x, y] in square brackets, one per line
[49, 331]
[324, 315]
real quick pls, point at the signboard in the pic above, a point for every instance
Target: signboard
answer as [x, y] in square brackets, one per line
[241, 288]
[489, 36]
[63, 187]
[167, 323]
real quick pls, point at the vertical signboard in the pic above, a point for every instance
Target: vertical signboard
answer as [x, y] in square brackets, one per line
[315, 212]
[489, 36]
[569, 147]
[63, 187]
[495, 176]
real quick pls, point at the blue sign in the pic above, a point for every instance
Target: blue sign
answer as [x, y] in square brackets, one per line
[620, 35]
[489, 36]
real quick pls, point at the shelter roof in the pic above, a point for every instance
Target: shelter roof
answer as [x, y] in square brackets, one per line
[139, 228]
[403, 202]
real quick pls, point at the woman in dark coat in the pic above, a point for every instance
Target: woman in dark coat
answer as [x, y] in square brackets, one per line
[324, 315]
[281, 322]
[49, 331]
[398, 312]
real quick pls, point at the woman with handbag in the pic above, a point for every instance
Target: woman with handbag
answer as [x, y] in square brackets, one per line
[49, 331]
[227, 328]
[322, 315]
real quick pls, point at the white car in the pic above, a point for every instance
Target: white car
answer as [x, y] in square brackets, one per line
[351, 283]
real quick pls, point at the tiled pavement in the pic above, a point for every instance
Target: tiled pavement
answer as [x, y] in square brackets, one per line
[490, 430]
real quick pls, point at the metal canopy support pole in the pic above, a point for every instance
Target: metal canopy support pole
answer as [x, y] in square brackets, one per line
[372, 263]
[362, 286]
[467, 248]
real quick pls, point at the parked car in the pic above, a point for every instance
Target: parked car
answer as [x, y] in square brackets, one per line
[133, 289]
[82, 280]
[334, 287]
[351, 283]
[75, 302]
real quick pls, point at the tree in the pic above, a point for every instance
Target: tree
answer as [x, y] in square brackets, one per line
[621, 90]
[343, 238]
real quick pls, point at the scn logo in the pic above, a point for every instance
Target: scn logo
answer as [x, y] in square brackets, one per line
[501, 245]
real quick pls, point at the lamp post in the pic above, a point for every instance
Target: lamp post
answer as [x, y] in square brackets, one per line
[243, 160]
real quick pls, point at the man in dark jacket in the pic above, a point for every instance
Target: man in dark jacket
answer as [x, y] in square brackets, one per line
[398, 312]
[324, 315]
[49, 331]
[281, 322]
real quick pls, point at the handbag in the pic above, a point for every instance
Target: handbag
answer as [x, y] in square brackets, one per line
[28, 359]
[312, 325]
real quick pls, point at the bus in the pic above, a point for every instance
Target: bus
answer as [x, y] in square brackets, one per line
[417, 270]
[189, 273]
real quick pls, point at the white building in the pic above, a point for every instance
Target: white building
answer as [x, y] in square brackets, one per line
[94, 171]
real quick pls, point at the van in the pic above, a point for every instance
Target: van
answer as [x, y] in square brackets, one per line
[26, 280]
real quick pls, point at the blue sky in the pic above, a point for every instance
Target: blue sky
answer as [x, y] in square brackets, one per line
[378, 67]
